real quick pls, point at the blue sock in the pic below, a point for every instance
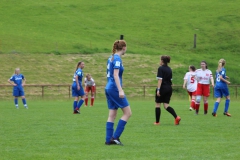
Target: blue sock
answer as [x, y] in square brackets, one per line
[109, 131]
[16, 101]
[24, 101]
[80, 103]
[74, 105]
[119, 129]
[226, 105]
[215, 107]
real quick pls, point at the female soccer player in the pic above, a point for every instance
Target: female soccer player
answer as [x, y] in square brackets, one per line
[18, 81]
[221, 88]
[190, 80]
[77, 89]
[164, 90]
[204, 76]
[115, 95]
[89, 86]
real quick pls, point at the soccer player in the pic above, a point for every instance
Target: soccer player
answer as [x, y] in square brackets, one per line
[190, 80]
[77, 89]
[89, 86]
[115, 95]
[164, 90]
[18, 81]
[221, 88]
[204, 76]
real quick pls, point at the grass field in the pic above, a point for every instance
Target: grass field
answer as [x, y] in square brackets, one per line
[70, 26]
[49, 130]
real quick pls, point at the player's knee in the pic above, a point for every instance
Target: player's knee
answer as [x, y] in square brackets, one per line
[198, 99]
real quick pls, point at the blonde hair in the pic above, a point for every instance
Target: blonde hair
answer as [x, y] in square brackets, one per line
[88, 75]
[118, 45]
[221, 63]
[16, 69]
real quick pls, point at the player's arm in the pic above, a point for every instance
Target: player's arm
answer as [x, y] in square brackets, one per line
[78, 86]
[24, 81]
[117, 81]
[212, 81]
[10, 80]
[85, 81]
[159, 86]
[184, 83]
[224, 80]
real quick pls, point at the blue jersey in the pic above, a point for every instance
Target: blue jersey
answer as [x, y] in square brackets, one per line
[219, 82]
[78, 73]
[108, 66]
[115, 64]
[17, 79]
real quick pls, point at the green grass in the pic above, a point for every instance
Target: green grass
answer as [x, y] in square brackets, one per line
[155, 27]
[49, 130]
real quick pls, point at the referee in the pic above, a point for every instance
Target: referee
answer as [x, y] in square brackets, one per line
[164, 90]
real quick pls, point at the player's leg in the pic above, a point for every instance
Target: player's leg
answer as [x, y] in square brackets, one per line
[172, 112]
[92, 94]
[198, 97]
[226, 94]
[157, 109]
[16, 102]
[193, 101]
[190, 95]
[16, 94]
[111, 117]
[86, 93]
[23, 98]
[205, 100]
[82, 95]
[218, 95]
[76, 98]
[121, 124]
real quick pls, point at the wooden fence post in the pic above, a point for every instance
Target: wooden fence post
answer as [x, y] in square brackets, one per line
[195, 41]
[69, 90]
[144, 91]
[236, 91]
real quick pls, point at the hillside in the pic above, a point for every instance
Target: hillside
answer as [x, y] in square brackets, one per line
[155, 27]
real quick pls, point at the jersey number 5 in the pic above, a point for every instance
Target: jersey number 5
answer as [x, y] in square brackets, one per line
[192, 80]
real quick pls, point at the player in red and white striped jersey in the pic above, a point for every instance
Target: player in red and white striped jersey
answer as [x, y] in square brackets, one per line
[89, 86]
[190, 80]
[204, 77]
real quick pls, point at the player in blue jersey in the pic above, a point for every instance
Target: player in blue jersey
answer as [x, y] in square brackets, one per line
[115, 95]
[18, 82]
[77, 89]
[221, 88]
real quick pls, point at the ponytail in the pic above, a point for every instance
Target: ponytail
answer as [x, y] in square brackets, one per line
[166, 59]
[117, 46]
[221, 63]
[78, 65]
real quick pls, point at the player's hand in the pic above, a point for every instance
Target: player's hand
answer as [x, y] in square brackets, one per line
[121, 94]
[78, 88]
[228, 82]
[158, 93]
[14, 84]
[213, 85]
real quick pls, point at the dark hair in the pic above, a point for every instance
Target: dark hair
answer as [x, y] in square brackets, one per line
[205, 63]
[192, 68]
[80, 62]
[118, 45]
[165, 59]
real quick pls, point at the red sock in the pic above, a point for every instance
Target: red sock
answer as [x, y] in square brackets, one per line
[92, 100]
[86, 101]
[197, 105]
[206, 106]
[193, 103]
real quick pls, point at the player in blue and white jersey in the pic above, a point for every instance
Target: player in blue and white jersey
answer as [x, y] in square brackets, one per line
[18, 82]
[77, 88]
[108, 66]
[221, 88]
[115, 95]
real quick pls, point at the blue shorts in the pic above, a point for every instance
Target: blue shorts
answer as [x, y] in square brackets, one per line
[114, 101]
[75, 92]
[18, 91]
[220, 92]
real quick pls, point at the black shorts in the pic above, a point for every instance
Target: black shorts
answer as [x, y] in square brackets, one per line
[165, 95]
